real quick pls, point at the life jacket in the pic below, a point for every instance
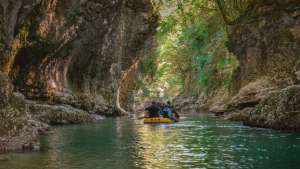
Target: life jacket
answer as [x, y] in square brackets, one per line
[168, 111]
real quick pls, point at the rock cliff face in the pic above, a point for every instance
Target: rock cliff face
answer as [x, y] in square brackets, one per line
[267, 43]
[71, 53]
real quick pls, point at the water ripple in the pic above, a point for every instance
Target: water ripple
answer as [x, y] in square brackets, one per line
[197, 142]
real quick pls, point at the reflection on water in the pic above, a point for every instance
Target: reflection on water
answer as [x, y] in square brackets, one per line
[198, 141]
[155, 147]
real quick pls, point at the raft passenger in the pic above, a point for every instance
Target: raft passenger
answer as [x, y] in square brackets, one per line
[171, 112]
[153, 110]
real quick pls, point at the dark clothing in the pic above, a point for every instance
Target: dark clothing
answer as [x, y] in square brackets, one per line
[153, 111]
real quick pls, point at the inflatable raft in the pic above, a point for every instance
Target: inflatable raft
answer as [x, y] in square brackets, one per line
[159, 120]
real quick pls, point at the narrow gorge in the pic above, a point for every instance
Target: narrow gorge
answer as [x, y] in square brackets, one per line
[239, 61]
[73, 62]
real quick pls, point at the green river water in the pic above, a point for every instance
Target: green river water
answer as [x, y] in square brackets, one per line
[198, 141]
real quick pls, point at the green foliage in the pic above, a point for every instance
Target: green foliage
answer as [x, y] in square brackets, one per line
[167, 25]
[148, 65]
[231, 10]
[201, 62]
[191, 53]
[223, 61]
[141, 85]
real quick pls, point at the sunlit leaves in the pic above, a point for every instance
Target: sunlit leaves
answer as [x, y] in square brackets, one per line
[183, 34]
[188, 35]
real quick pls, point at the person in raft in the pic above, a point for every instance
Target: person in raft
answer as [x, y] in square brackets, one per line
[168, 111]
[153, 110]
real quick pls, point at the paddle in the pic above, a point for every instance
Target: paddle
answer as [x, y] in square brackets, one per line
[141, 117]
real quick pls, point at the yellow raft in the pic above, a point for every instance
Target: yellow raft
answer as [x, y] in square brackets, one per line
[158, 120]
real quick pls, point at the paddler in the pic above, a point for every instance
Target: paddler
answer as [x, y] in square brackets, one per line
[153, 110]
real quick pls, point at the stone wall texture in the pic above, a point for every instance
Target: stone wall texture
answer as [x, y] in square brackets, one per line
[71, 54]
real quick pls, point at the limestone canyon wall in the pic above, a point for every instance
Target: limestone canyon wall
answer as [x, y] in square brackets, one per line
[70, 53]
[266, 41]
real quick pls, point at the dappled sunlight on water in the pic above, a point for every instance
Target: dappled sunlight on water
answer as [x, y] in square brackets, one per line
[208, 142]
[198, 141]
[154, 148]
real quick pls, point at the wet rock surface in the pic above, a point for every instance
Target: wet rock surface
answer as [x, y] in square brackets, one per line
[251, 95]
[59, 114]
[281, 110]
[18, 130]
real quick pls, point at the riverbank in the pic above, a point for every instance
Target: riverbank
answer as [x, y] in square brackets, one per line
[198, 141]
[23, 120]
[40, 118]
[274, 108]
